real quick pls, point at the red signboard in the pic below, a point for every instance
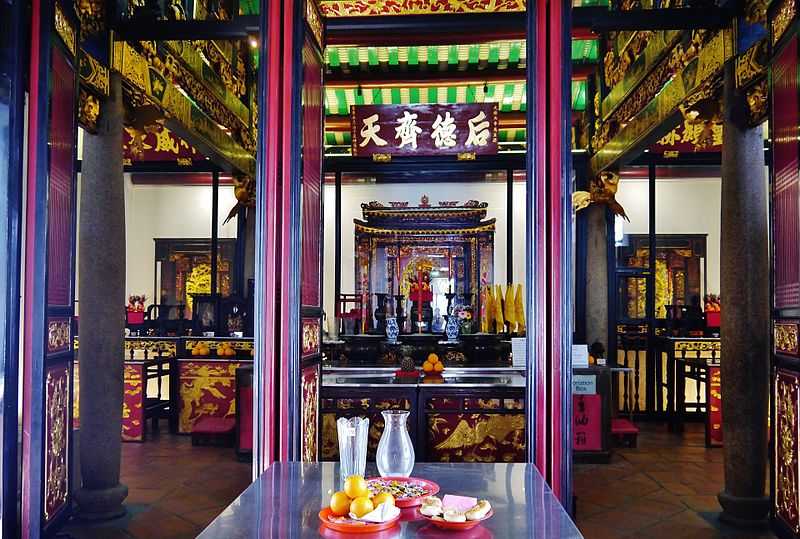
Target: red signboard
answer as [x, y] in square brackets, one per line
[714, 416]
[424, 129]
[157, 144]
[587, 422]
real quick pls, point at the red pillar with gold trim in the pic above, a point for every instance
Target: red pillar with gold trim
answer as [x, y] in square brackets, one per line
[289, 269]
[785, 206]
[549, 218]
[49, 252]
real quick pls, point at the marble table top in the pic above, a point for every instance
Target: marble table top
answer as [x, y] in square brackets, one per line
[286, 499]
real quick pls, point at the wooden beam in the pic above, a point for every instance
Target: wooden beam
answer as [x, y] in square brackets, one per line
[138, 30]
[600, 19]
[424, 29]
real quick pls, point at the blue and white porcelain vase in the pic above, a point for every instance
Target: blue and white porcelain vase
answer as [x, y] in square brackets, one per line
[451, 328]
[392, 330]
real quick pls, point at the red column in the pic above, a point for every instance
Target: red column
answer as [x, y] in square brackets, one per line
[550, 329]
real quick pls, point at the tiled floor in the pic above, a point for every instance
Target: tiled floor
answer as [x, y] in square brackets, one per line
[175, 490]
[665, 488]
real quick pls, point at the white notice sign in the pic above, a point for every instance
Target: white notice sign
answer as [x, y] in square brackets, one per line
[580, 355]
[519, 352]
[584, 384]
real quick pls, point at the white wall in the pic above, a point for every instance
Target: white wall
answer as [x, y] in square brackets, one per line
[354, 195]
[683, 206]
[169, 211]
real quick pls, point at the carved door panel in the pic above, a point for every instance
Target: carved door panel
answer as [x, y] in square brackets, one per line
[785, 207]
[49, 276]
[311, 233]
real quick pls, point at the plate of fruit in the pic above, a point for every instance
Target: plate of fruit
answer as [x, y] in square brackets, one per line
[455, 512]
[406, 491]
[356, 509]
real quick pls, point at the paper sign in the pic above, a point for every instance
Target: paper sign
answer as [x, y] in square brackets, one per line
[580, 355]
[519, 352]
[584, 384]
[714, 416]
[587, 423]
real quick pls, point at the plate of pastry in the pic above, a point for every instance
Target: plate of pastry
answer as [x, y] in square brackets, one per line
[455, 512]
[407, 491]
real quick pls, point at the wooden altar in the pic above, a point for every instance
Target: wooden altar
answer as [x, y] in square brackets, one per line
[444, 248]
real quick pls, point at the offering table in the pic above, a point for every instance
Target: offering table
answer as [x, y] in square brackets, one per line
[286, 499]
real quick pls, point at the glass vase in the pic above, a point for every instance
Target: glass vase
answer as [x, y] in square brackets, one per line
[395, 456]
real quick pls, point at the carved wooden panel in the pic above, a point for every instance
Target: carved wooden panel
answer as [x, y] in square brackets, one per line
[207, 389]
[310, 270]
[787, 390]
[786, 191]
[311, 337]
[133, 427]
[310, 413]
[60, 220]
[786, 337]
[56, 447]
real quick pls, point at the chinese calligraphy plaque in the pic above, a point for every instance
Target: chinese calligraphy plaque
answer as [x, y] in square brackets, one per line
[407, 130]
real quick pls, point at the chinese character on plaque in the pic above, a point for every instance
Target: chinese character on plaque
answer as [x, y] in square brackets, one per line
[406, 130]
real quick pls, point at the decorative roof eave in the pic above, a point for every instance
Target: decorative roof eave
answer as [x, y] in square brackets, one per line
[361, 228]
[703, 70]
[367, 8]
[435, 213]
[94, 85]
[183, 116]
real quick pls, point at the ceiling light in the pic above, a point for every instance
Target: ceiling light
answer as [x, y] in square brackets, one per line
[253, 43]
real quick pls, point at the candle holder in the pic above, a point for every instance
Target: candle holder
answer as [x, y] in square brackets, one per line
[399, 311]
[380, 312]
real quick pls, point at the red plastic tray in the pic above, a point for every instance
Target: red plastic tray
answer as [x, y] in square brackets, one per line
[430, 487]
[355, 528]
[457, 526]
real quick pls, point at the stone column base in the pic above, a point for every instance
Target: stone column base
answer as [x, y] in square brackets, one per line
[101, 504]
[744, 512]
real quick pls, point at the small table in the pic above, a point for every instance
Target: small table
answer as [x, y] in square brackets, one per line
[285, 501]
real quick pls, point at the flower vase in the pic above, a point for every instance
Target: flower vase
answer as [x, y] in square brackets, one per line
[395, 455]
[392, 330]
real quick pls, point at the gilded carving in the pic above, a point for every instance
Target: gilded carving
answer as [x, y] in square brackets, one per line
[152, 346]
[782, 19]
[755, 11]
[311, 337]
[314, 21]
[698, 61]
[207, 389]
[757, 102]
[56, 451]
[786, 338]
[310, 396]
[359, 8]
[786, 495]
[93, 73]
[751, 64]
[88, 110]
[65, 29]
[92, 16]
[58, 335]
[711, 345]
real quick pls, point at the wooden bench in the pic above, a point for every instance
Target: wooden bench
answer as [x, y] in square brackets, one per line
[218, 431]
[624, 431]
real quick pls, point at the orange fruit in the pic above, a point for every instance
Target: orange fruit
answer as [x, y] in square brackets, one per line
[383, 497]
[427, 366]
[356, 487]
[433, 358]
[438, 367]
[340, 503]
[361, 506]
